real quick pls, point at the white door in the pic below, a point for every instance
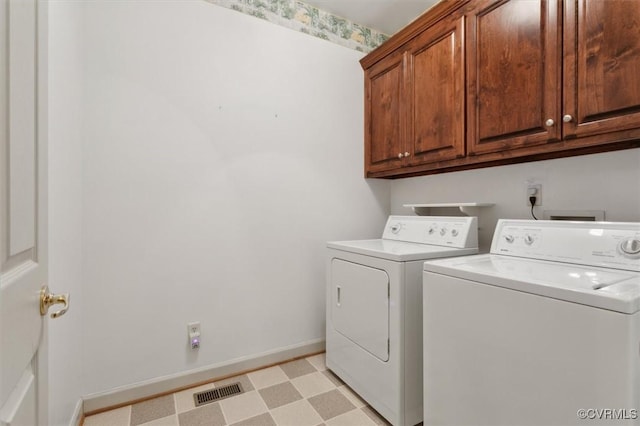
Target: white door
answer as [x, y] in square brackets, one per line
[360, 306]
[23, 212]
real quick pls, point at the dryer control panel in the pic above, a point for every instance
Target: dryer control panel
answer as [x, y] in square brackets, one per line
[606, 244]
[449, 231]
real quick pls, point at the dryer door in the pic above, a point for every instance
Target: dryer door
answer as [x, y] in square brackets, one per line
[360, 305]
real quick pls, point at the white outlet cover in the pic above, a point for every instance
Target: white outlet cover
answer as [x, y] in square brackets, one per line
[538, 193]
[193, 328]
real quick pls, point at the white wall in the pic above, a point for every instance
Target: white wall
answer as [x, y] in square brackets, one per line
[65, 206]
[607, 181]
[221, 152]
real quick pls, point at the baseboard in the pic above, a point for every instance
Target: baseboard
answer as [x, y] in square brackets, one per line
[148, 388]
[76, 418]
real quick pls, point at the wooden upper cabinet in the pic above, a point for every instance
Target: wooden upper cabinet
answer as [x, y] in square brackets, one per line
[384, 135]
[435, 94]
[513, 75]
[601, 66]
[414, 106]
[475, 83]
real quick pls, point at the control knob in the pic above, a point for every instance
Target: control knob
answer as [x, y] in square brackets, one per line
[509, 238]
[443, 231]
[432, 230]
[454, 232]
[528, 240]
[395, 228]
[630, 246]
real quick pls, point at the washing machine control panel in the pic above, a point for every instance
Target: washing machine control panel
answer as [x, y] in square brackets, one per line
[451, 231]
[607, 244]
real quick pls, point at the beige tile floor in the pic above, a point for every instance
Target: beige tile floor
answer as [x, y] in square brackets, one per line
[296, 393]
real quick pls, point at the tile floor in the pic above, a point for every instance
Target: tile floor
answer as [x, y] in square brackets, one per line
[297, 393]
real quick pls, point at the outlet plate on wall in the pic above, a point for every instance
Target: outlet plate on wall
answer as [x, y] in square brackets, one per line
[194, 328]
[531, 187]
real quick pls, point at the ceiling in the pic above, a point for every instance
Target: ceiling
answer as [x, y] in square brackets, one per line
[387, 16]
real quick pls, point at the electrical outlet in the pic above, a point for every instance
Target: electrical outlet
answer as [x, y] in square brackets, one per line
[194, 334]
[534, 190]
[194, 328]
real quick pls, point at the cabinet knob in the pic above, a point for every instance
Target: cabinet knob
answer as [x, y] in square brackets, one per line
[406, 154]
[567, 118]
[400, 155]
[549, 122]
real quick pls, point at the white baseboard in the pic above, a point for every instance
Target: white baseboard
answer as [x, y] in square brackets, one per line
[76, 418]
[124, 394]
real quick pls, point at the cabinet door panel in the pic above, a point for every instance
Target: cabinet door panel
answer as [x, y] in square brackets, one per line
[436, 94]
[383, 111]
[602, 66]
[514, 75]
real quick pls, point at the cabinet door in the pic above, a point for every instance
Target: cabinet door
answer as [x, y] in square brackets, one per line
[384, 115]
[514, 75]
[435, 94]
[601, 66]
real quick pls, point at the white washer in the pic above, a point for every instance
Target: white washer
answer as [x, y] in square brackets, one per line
[374, 312]
[544, 330]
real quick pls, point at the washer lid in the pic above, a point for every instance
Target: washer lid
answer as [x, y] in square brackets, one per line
[611, 289]
[399, 251]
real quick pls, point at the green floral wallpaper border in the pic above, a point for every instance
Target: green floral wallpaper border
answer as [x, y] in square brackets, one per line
[308, 19]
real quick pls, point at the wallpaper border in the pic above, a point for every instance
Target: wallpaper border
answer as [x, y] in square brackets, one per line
[302, 17]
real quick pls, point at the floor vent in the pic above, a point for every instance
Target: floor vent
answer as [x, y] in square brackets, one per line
[217, 394]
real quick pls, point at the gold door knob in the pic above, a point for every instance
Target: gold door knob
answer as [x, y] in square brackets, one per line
[48, 299]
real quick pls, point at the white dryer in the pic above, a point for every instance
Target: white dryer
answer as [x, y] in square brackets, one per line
[374, 308]
[544, 330]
